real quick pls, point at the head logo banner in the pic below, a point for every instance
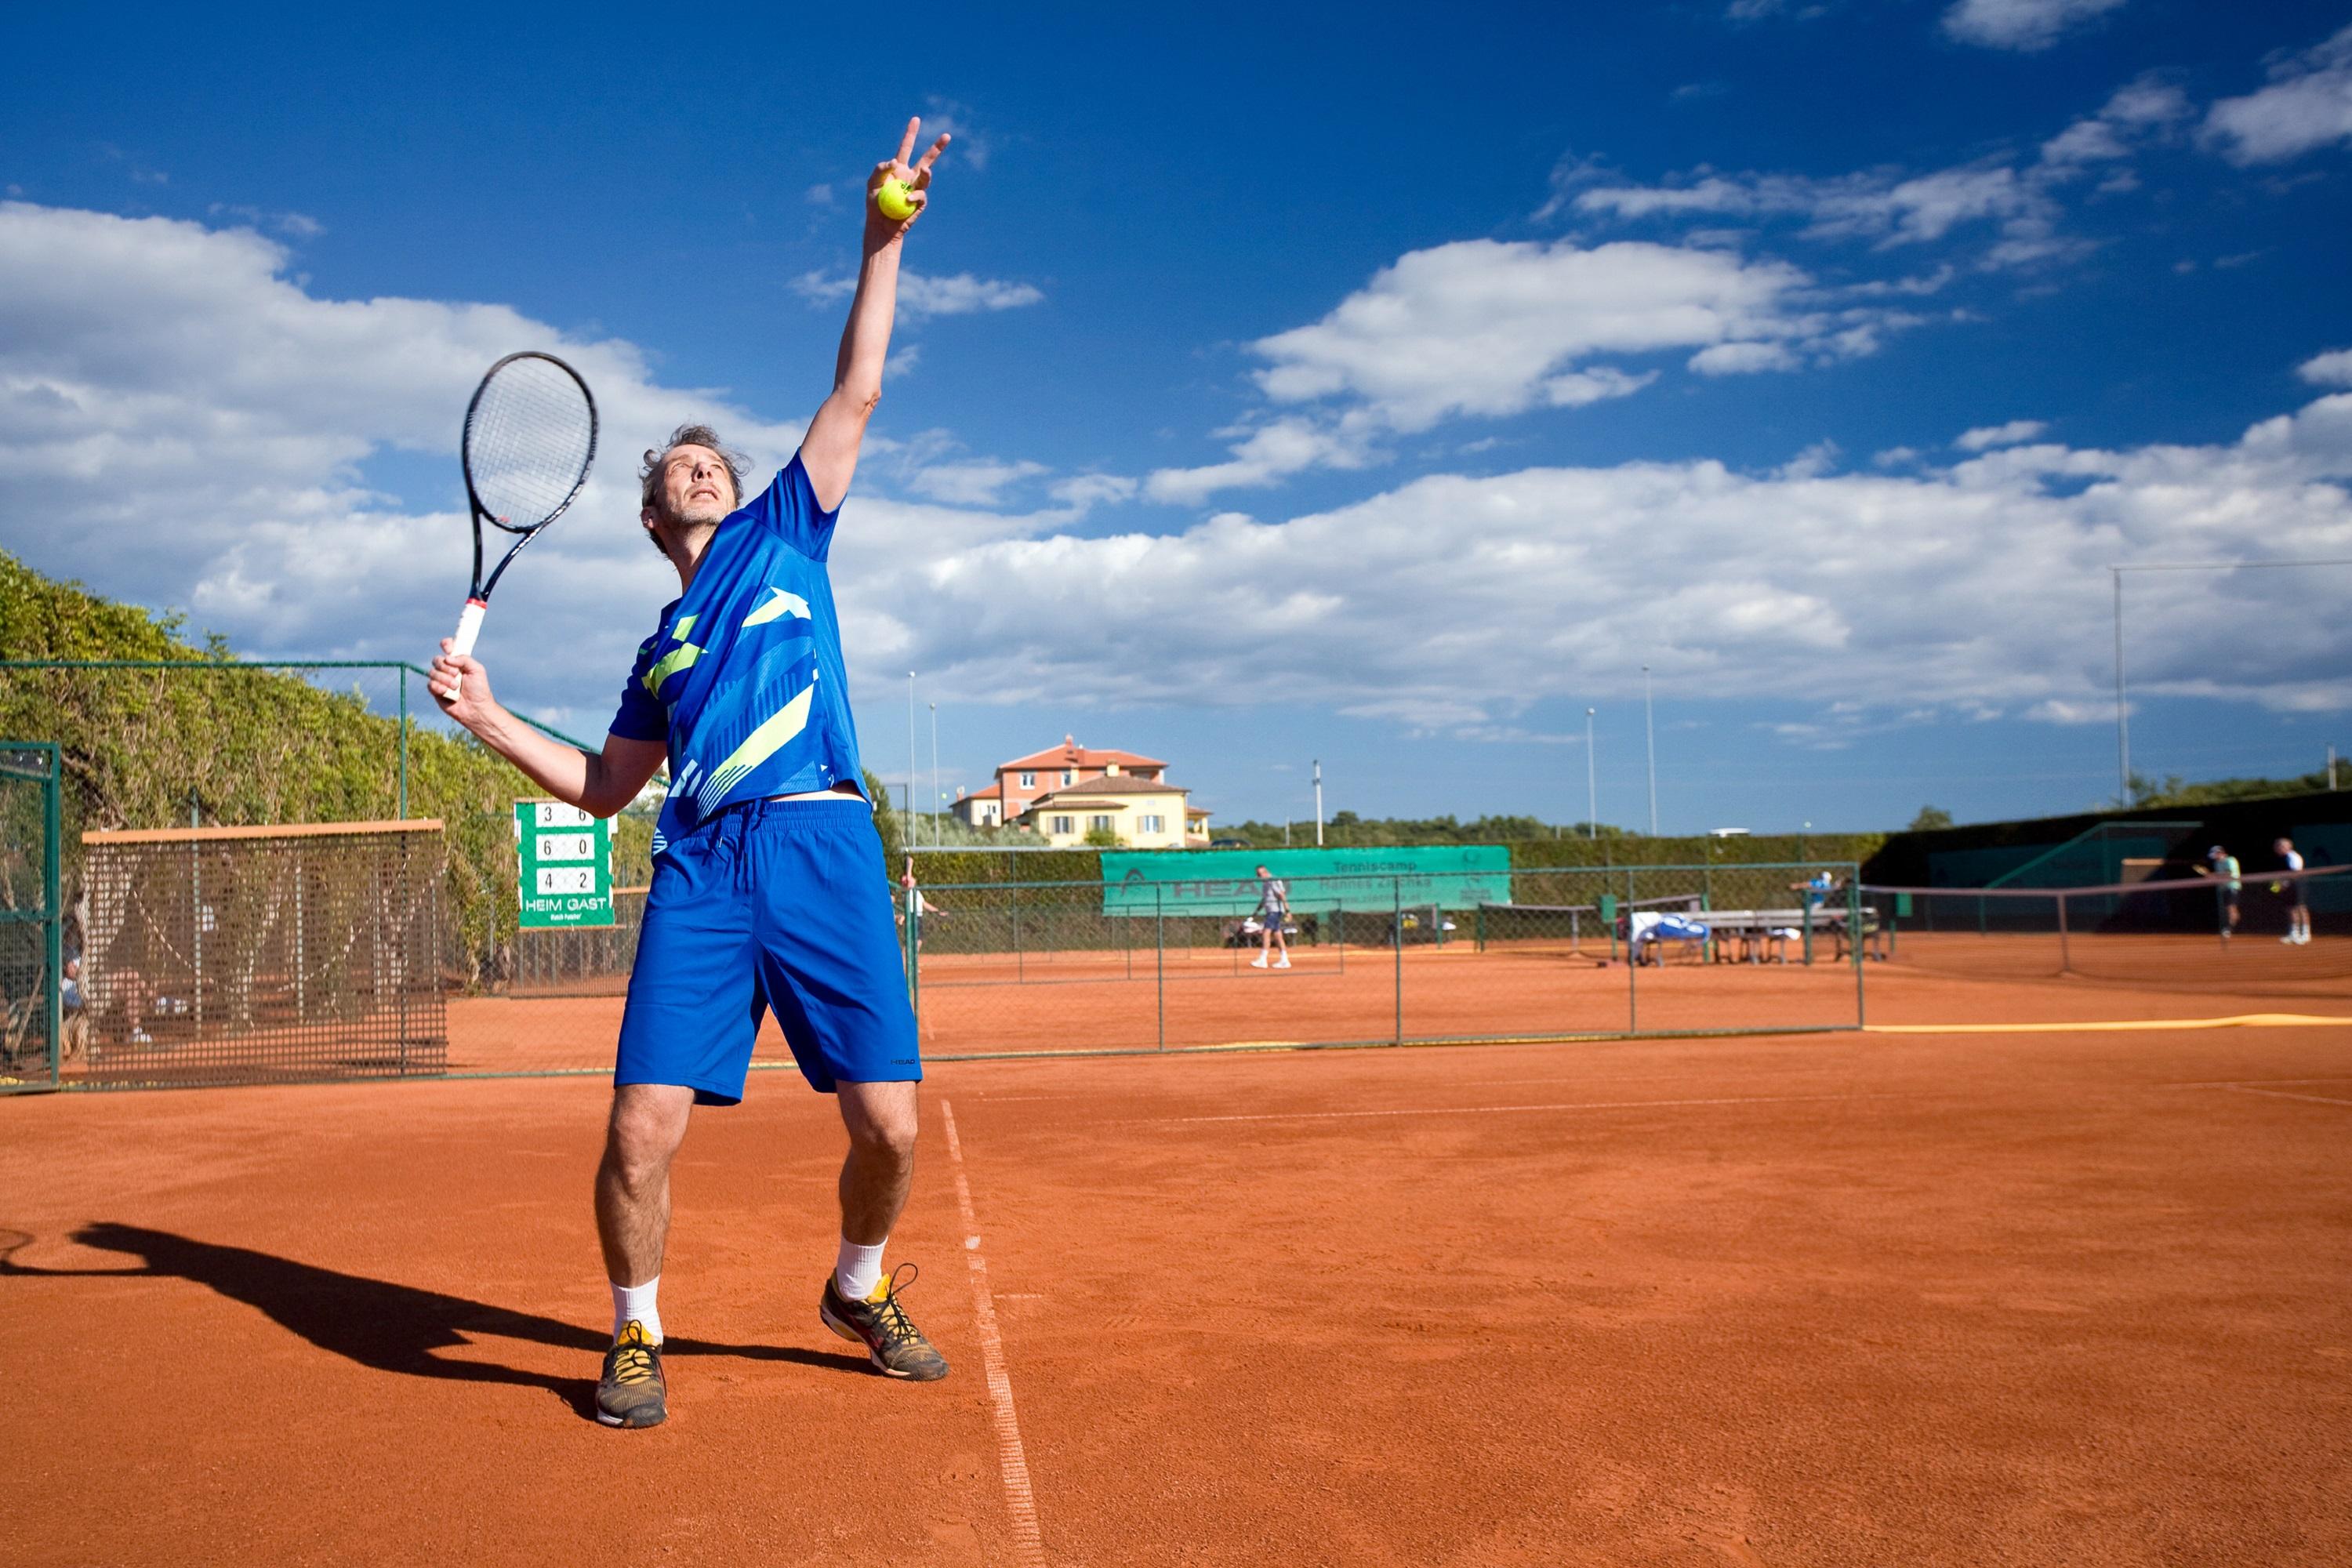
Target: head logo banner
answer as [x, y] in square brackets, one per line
[1226, 882]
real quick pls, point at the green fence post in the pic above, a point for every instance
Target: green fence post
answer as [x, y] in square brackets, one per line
[52, 871]
[1632, 961]
[1396, 936]
[1805, 896]
[403, 742]
[1160, 958]
[1855, 937]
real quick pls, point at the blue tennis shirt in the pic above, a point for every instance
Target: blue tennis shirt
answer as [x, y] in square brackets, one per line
[744, 679]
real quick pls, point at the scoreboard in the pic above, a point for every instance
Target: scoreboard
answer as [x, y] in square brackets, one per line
[563, 866]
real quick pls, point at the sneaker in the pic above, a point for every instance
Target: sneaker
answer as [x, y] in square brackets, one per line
[142, 1037]
[631, 1391]
[1283, 965]
[1258, 962]
[880, 1324]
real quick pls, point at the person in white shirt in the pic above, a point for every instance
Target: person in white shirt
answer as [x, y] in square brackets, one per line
[2298, 902]
[1273, 911]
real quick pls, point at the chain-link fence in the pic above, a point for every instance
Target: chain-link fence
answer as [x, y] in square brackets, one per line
[38, 996]
[242, 955]
[2276, 934]
[1076, 966]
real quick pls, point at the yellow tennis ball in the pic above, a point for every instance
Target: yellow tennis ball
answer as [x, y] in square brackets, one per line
[2278, 887]
[892, 199]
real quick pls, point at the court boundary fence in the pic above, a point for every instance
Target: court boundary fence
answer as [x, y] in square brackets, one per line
[1326, 917]
[32, 971]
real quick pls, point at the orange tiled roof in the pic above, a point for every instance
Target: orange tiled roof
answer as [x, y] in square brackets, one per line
[1070, 754]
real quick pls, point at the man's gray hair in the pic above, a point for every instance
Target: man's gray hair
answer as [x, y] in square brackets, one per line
[650, 473]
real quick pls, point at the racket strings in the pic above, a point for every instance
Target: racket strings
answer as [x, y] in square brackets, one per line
[528, 442]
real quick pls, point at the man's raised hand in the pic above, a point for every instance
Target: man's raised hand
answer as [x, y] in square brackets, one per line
[915, 176]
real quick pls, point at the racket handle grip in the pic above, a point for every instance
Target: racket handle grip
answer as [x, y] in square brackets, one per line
[469, 627]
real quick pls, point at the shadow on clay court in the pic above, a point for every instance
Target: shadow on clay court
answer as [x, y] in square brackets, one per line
[379, 1324]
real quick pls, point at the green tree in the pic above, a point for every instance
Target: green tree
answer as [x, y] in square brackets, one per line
[1101, 839]
[1930, 818]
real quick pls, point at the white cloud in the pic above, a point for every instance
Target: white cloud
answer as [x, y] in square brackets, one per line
[950, 118]
[978, 482]
[2022, 25]
[1960, 590]
[1741, 358]
[2137, 110]
[1269, 454]
[920, 294]
[2332, 368]
[2017, 200]
[1487, 327]
[181, 425]
[2308, 105]
[1986, 436]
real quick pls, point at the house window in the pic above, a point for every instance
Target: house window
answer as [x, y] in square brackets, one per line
[1152, 824]
[1069, 778]
[1064, 824]
[1099, 823]
[1028, 781]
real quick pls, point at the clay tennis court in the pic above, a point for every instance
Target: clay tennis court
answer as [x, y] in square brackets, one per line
[2057, 1297]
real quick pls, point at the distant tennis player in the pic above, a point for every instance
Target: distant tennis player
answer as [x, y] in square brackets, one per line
[2298, 899]
[769, 891]
[1273, 915]
[2219, 862]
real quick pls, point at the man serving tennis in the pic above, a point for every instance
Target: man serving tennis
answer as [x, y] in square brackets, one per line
[769, 891]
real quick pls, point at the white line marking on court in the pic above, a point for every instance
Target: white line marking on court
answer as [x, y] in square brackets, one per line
[1028, 1549]
[1508, 1110]
[2282, 1094]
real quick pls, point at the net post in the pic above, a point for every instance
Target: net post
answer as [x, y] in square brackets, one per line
[2065, 958]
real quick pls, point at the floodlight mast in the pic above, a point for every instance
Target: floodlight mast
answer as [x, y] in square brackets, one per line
[1591, 783]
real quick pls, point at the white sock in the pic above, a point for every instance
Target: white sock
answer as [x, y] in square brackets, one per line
[859, 1268]
[635, 1303]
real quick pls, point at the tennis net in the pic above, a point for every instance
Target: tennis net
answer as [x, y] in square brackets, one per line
[2287, 933]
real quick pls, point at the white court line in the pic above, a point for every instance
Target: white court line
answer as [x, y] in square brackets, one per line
[2282, 1094]
[1028, 1549]
[1507, 1109]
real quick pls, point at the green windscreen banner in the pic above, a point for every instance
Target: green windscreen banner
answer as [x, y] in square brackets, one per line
[1225, 881]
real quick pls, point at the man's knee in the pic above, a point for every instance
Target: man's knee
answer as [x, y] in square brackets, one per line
[649, 1124]
[881, 1119]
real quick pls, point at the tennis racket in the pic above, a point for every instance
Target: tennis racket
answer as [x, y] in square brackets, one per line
[530, 435]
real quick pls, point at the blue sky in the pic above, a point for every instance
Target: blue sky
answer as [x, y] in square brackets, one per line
[1376, 385]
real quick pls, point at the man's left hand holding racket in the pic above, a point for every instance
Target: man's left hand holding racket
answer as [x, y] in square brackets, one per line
[530, 435]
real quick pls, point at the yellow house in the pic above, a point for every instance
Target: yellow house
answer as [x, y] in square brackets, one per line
[1063, 793]
[1143, 814]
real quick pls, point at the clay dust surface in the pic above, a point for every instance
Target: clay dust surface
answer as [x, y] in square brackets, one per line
[1824, 1300]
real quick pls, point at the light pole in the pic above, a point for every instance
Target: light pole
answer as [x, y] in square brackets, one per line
[935, 775]
[1318, 805]
[1591, 783]
[1649, 731]
[908, 836]
[1803, 842]
[2123, 720]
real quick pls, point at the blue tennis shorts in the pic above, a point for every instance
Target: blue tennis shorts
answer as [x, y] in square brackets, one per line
[774, 905]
